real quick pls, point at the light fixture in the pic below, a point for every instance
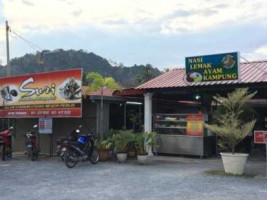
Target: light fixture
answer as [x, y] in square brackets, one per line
[133, 103]
[197, 96]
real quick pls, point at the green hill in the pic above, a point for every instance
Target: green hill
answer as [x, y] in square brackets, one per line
[68, 59]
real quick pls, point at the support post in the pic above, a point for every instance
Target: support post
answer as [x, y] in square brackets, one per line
[7, 51]
[148, 116]
[148, 112]
[125, 117]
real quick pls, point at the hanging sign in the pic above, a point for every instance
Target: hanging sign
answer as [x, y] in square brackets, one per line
[219, 67]
[45, 125]
[52, 94]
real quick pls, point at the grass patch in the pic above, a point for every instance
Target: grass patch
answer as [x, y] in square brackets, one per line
[222, 173]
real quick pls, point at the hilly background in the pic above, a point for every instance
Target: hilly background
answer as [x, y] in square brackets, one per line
[69, 59]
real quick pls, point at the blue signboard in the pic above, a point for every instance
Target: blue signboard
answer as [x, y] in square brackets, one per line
[218, 67]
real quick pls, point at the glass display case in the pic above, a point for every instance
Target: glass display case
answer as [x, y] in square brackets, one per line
[183, 134]
[173, 124]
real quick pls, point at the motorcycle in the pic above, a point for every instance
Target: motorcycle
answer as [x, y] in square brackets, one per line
[31, 144]
[5, 143]
[62, 142]
[60, 145]
[83, 149]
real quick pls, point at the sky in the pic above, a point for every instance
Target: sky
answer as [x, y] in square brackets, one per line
[159, 32]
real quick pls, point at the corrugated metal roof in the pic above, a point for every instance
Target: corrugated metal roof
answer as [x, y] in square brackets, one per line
[250, 72]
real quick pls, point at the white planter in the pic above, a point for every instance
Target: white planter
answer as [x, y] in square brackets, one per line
[142, 159]
[234, 163]
[122, 157]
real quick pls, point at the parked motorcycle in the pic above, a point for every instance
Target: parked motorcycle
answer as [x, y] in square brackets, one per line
[61, 144]
[83, 149]
[31, 144]
[5, 143]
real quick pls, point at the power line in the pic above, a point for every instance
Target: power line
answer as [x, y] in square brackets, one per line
[29, 43]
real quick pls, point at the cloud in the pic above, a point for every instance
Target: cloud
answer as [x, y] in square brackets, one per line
[28, 3]
[116, 22]
[261, 50]
[190, 15]
[77, 13]
[220, 6]
[258, 54]
[181, 13]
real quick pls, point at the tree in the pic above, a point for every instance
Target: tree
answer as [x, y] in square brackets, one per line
[98, 82]
[229, 124]
[167, 69]
[146, 75]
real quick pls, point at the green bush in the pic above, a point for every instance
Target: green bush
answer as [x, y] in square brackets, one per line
[122, 140]
[144, 141]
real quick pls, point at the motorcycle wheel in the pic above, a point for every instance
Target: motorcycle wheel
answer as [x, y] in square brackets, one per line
[94, 157]
[9, 152]
[34, 155]
[68, 162]
[62, 156]
[3, 150]
[30, 153]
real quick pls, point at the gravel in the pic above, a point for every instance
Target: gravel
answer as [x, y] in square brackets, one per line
[163, 178]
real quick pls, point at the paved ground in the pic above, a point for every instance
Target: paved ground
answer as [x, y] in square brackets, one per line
[165, 178]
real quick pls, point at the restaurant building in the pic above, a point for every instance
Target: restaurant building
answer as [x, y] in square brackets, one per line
[176, 109]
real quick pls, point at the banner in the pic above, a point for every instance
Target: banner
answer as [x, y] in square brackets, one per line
[194, 125]
[219, 67]
[52, 94]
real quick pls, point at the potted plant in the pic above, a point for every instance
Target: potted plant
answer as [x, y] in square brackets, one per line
[121, 143]
[144, 141]
[103, 148]
[131, 151]
[232, 128]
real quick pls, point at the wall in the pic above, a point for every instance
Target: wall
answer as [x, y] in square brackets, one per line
[61, 128]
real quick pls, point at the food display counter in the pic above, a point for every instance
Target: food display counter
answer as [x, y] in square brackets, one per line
[182, 134]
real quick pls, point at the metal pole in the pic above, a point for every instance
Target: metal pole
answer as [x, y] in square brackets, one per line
[124, 123]
[7, 51]
[3, 115]
[266, 159]
[101, 114]
[7, 59]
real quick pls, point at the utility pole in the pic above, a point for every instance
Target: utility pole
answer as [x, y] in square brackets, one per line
[7, 62]
[7, 51]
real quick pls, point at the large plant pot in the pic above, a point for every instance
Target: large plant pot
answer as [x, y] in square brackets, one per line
[234, 163]
[142, 159]
[103, 154]
[122, 157]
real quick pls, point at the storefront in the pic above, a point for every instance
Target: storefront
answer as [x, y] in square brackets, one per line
[175, 109]
[57, 97]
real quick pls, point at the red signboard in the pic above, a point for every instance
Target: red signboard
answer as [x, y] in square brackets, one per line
[52, 94]
[260, 137]
[194, 125]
